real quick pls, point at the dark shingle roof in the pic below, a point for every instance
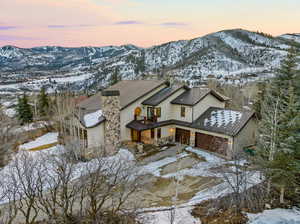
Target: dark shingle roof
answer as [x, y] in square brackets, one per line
[195, 95]
[223, 121]
[162, 95]
[92, 103]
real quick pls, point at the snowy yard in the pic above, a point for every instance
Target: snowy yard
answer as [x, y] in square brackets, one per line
[48, 139]
[191, 176]
[171, 179]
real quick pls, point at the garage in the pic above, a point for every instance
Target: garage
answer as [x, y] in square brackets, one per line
[182, 136]
[211, 143]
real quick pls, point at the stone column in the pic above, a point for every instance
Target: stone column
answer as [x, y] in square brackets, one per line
[112, 126]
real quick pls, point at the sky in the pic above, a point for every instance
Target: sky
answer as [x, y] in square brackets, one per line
[74, 23]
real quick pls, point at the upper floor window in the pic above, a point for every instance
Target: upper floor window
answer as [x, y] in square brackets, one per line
[150, 112]
[158, 112]
[182, 111]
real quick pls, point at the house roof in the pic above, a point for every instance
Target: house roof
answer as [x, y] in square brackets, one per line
[132, 90]
[223, 121]
[88, 109]
[139, 126]
[162, 95]
[195, 95]
[92, 103]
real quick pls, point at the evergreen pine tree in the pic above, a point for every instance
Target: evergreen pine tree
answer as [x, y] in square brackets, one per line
[284, 166]
[24, 112]
[115, 77]
[279, 137]
[43, 103]
[259, 99]
[287, 71]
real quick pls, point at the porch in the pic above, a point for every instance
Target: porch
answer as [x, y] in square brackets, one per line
[151, 132]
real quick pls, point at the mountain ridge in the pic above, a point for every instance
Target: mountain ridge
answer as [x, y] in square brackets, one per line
[225, 54]
[94, 46]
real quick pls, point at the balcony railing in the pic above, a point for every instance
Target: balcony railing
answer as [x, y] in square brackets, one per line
[146, 120]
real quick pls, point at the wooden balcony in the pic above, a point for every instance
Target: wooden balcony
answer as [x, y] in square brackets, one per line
[146, 120]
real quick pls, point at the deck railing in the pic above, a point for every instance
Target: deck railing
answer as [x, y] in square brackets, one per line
[145, 119]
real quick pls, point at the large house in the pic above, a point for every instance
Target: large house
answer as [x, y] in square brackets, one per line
[151, 111]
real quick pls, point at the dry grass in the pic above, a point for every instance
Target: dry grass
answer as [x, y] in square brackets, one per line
[160, 191]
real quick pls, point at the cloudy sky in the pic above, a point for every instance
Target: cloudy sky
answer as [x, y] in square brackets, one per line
[27, 23]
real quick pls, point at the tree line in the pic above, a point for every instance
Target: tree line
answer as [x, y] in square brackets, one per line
[278, 148]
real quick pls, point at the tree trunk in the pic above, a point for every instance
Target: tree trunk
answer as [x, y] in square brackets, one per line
[269, 187]
[282, 194]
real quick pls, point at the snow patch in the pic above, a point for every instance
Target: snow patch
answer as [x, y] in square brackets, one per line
[275, 216]
[10, 112]
[92, 119]
[221, 118]
[46, 139]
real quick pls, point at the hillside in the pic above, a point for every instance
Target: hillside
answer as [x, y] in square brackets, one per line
[230, 54]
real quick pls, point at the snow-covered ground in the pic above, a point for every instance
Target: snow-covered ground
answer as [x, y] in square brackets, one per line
[157, 215]
[10, 112]
[33, 126]
[275, 216]
[161, 215]
[49, 138]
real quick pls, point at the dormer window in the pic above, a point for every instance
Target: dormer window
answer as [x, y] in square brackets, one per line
[182, 111]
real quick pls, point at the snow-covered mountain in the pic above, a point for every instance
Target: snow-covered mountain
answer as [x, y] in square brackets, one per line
[230, 54]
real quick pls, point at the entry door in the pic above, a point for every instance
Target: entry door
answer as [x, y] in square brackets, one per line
[182, 136]
[135, 135]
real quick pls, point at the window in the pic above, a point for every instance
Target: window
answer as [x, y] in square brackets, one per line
[137, 112]
[159, 133]
[158, 112]
[150, 112]
[182, 112]
[152, 133]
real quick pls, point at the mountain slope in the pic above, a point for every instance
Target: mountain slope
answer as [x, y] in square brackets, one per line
[225, 54]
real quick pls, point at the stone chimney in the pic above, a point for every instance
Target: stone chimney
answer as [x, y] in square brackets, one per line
[111, 110]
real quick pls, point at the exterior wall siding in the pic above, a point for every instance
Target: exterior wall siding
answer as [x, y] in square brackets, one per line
[166, 106]
[176, 112]
[203, 105]
[192, 113]
[96, 136]
[246, 137]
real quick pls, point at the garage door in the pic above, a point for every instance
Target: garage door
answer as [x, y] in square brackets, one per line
[182, 136]
[211, 143]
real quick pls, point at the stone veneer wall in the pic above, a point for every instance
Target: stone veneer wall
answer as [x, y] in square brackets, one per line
[111, 111]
